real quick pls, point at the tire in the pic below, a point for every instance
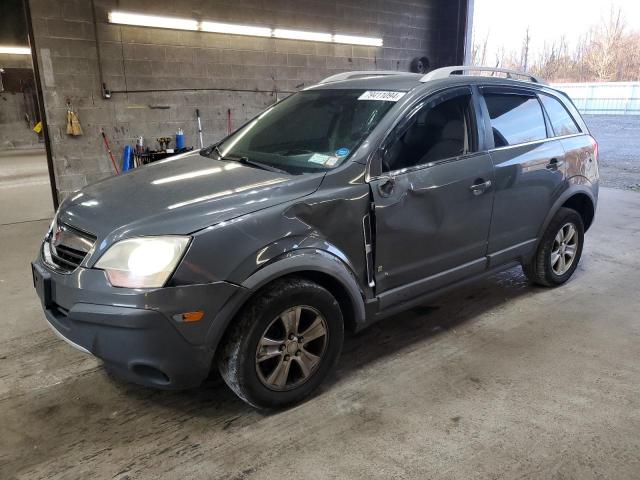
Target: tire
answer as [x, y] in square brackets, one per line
[258, 353]
[540, 269]
[420, 65]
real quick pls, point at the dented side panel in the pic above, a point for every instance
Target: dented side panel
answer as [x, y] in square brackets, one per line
[431, 221]
[329, 220]
[580, 158]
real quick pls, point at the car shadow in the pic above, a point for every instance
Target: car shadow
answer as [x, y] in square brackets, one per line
[419, 324]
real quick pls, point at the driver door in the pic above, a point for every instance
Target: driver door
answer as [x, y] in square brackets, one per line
[433, 199]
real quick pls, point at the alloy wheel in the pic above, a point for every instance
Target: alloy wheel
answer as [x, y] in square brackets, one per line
[564, 249]
[291, 348]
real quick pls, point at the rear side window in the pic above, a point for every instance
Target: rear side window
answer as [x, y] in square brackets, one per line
[561, 120]
[515, 118]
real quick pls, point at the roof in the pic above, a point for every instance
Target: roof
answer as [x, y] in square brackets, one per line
[401, 81]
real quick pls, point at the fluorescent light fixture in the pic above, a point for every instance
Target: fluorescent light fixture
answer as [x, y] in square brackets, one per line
[125, 18]
[15, 50]
[301, 35]
[355, 40]
[235, 29]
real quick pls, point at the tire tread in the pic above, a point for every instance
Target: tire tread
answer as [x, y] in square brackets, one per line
[536, 269]
[231, 357]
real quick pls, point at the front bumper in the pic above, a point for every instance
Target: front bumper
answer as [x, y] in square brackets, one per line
[133, 331]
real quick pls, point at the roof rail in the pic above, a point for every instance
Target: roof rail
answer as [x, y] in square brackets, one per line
[358, 74]
[460, 69]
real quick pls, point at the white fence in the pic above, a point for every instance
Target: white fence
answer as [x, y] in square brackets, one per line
[606, 98]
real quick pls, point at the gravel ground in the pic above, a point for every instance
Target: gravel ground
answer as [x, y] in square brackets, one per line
[618, 138]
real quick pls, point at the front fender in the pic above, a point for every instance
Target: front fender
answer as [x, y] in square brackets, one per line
[303, 260]
[289, 247]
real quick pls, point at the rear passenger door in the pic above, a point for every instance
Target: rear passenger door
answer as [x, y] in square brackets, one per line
[529, 169]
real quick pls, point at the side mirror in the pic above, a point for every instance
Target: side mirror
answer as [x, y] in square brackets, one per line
[386, 185]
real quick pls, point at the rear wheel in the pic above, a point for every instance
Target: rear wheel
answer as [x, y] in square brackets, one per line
[283, 345]
[559, 251]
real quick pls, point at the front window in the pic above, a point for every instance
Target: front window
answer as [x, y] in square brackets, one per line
[310, 131]
[441, 129]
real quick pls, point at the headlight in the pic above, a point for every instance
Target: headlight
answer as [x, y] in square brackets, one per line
[142, 262]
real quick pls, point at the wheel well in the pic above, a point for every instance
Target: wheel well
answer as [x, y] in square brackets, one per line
[334, 286]
[336, 289]
[582, 204]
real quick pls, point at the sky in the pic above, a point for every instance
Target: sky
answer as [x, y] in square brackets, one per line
[506, 20]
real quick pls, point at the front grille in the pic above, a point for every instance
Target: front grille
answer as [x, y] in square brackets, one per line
[68, 257]
[65, 247]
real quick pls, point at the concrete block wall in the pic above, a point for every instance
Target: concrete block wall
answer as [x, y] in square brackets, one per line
[14, 131]
[148, 68]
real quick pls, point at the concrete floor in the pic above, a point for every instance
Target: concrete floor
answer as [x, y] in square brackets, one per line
[25, 193]
[498, 380]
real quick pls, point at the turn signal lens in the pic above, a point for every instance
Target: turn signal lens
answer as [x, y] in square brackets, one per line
[192, 316]
[189, 317]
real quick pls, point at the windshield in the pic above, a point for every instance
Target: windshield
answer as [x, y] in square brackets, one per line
[310, 131]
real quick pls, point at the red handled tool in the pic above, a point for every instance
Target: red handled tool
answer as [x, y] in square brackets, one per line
[106, 144]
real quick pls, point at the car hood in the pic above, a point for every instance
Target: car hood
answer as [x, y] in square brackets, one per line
[179, 195]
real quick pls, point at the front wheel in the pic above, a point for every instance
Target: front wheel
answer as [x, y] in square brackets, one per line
[283, 345]
[559, 250]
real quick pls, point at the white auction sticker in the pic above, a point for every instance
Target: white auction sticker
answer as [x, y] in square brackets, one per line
[331, 161]
[383, 95]
[320, 158]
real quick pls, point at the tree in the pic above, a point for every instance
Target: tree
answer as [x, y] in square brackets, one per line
[524, 54]
[605, 52]
[479, 51]
[554, 61]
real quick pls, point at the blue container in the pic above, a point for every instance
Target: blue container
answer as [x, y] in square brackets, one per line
[179, 139]
[127, 158]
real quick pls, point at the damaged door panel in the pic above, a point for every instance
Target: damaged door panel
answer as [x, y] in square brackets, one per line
[434, 198]
[432, 221]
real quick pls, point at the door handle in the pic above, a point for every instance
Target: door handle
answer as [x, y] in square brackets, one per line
[480, 187]
[554, 164]
[386, 185]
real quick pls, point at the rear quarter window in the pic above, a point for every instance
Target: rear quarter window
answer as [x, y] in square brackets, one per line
[561, 120]
[515, 118]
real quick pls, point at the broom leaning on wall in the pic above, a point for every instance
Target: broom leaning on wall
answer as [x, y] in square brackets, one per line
[73, 122]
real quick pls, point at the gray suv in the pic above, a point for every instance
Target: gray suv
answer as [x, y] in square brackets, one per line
[352, 200]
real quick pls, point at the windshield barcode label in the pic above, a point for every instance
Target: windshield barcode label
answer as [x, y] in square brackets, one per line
[385, 96]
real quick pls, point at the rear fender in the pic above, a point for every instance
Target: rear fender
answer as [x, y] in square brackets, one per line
[578, 185]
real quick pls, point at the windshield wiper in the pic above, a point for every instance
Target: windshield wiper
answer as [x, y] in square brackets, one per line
[216, 149]
[240, 159]
[252, 163]
[207, 151]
